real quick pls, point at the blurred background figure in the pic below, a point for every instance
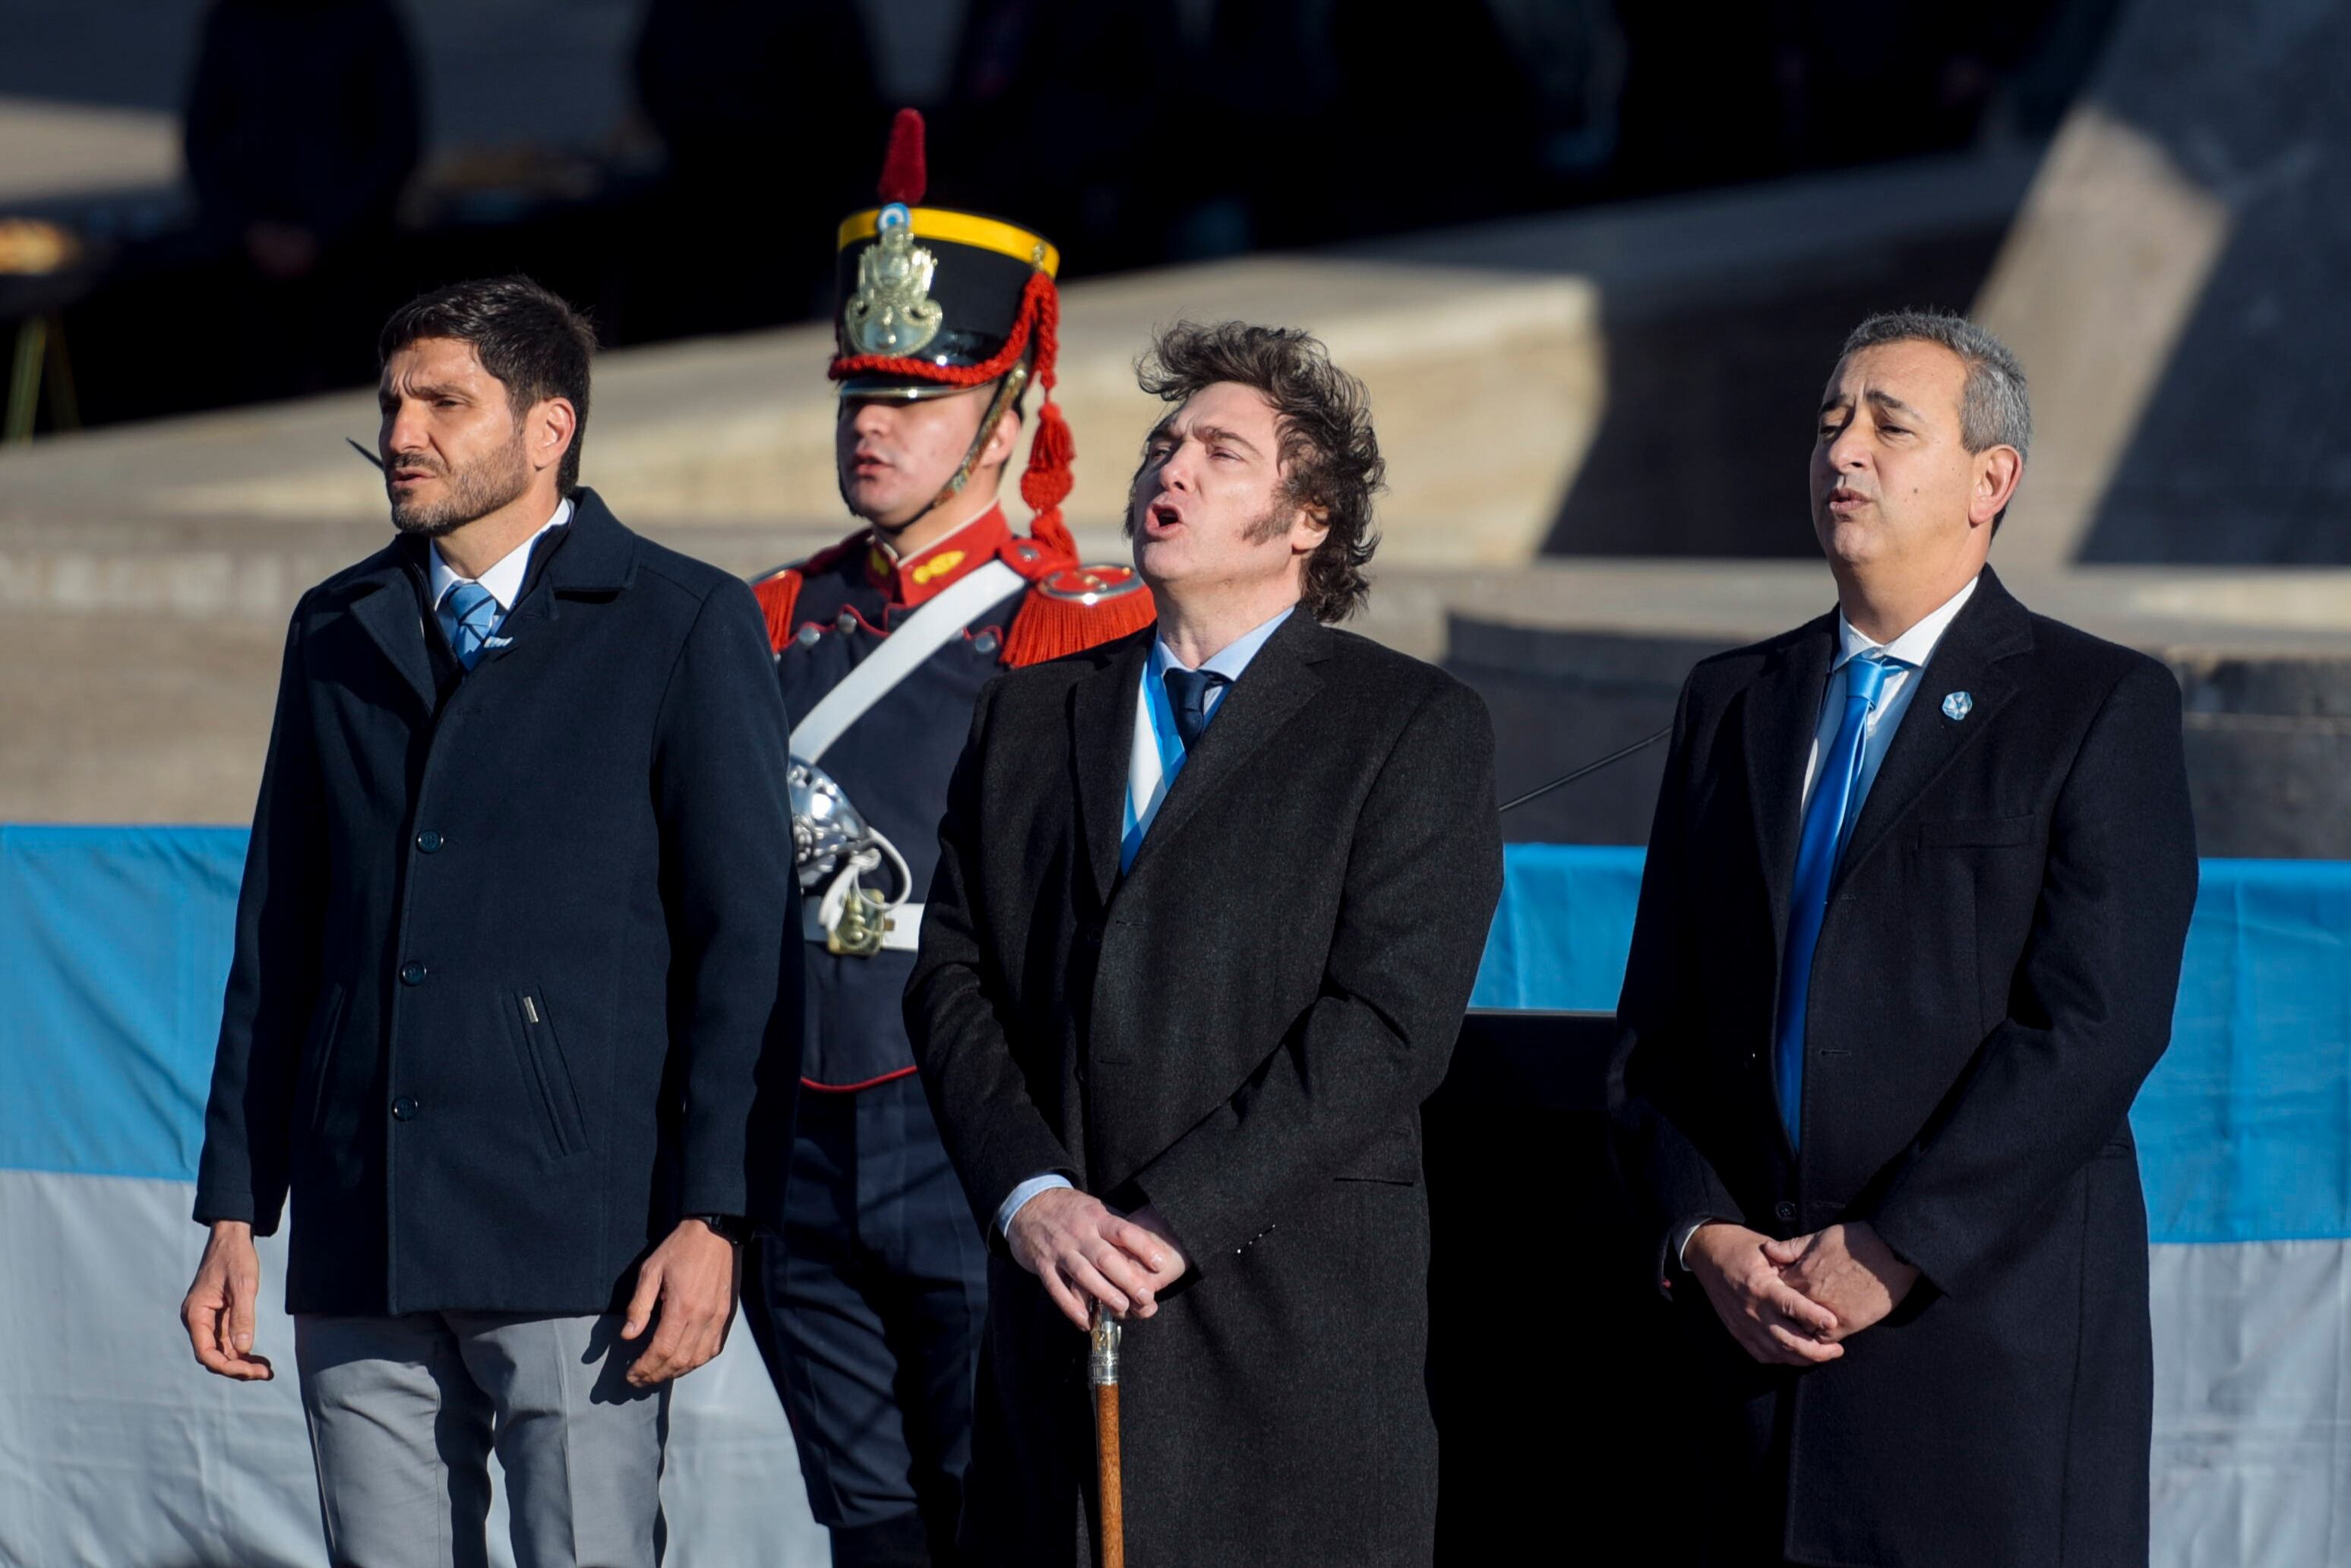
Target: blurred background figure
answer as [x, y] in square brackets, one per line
[634, 154]
[302, 129]
[757, 103]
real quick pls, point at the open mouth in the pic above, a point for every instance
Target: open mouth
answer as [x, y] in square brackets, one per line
[1163, 516]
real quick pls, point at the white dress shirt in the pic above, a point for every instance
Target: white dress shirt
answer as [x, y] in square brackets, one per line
[1909, 654]
[504, 580]
[1146, 787]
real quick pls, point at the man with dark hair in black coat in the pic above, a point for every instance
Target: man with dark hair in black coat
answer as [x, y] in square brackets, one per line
[515, 1006]
[1908, 939]
[1208, 906]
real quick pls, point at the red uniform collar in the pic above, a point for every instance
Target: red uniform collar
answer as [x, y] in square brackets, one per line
[915, 578]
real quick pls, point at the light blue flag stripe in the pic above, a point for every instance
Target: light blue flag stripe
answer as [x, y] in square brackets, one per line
[114, 947]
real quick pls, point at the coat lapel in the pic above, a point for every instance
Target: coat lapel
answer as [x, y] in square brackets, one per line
[1102, 735]
[1992, 628]
[592, 557]
[1783, 711]
[1277, 684]
[386, 605]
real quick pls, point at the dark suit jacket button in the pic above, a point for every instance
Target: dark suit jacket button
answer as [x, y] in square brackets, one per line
[1785, 1213]
[411, 975]
[428, 840]
[403, 1109]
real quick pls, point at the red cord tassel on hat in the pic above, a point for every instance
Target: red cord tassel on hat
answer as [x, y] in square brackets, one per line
[1047, 481]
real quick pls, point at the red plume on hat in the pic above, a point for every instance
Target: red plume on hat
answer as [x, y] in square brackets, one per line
[903, 173]
[1035, 335]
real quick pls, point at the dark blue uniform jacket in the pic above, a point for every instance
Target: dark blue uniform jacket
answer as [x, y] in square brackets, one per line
[829, 616]
[893, 764]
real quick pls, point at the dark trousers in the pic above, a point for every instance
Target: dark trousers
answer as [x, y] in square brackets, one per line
[869, 1309]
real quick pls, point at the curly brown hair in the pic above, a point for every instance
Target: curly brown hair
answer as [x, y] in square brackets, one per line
[1330, 458]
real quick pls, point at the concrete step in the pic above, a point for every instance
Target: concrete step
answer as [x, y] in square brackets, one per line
[1488, 351]
[1577, 662]
[122, 708]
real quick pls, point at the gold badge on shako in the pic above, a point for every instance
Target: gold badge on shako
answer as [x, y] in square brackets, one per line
[893, 311]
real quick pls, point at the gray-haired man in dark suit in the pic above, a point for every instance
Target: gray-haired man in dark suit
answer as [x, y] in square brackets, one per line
[1909, 934]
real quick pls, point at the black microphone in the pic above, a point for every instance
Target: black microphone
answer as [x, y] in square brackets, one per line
[1586, 771]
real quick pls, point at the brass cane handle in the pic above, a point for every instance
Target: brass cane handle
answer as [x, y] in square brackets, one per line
[1102, 1361]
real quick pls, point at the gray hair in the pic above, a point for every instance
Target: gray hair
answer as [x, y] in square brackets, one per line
[1994, 410]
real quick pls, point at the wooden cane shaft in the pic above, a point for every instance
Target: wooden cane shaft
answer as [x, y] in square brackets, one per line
[1114, 1502]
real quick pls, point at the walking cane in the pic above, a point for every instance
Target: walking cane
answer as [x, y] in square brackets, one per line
[1102, 1371]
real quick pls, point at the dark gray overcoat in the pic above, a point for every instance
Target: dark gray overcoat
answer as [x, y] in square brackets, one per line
[517, 977]
[1239, 1031]
[1994, 980]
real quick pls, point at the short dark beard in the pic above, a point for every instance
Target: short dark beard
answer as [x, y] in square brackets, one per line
[474, 493]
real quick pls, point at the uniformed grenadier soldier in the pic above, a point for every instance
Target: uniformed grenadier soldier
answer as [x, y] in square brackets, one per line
[869, 1311]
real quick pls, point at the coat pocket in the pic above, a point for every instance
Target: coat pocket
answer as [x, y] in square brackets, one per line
[1393, 1158]
[318, 1054]
[545, 1071]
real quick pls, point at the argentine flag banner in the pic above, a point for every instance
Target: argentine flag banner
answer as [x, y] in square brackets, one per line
[117, 1451]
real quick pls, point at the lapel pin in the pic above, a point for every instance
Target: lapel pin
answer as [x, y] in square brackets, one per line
[1958, 706]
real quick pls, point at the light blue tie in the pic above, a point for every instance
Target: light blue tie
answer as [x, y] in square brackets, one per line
[1827, 823]
[469, 613]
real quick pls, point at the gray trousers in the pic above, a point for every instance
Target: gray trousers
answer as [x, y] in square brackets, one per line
[405, 1411]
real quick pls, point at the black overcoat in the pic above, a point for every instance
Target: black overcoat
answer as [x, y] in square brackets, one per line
[1994, 979]
[517, 977]
[1239, 1031]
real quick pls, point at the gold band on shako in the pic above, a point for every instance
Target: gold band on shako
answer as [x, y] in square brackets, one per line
[959, 228]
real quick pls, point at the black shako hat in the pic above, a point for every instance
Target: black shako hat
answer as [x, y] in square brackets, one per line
[932, 301]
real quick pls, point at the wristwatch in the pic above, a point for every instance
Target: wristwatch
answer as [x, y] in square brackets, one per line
[732, 1226]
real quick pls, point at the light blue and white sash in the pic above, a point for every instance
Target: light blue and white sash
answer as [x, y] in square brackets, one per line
[1156, 758]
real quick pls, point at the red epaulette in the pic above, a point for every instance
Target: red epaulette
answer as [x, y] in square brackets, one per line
[779, 590]
[1070, 608]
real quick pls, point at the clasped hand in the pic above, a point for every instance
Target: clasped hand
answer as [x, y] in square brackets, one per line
[1795, 1302]
[1084, 1251]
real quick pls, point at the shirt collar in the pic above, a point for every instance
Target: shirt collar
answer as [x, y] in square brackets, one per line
[1913, 647]
[1234, 657]
[911, 579]
[504, 580]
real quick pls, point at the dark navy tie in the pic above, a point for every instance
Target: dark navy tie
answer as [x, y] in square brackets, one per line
[1187, 694]
[1827, 821]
